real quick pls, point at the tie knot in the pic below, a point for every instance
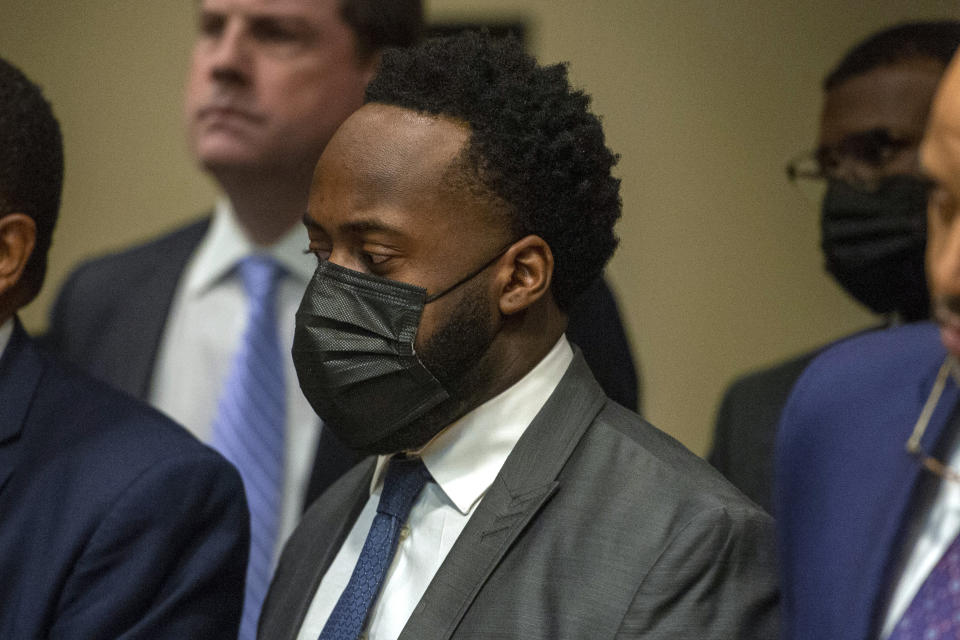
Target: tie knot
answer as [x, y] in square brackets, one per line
[260, 275]
[405, 479]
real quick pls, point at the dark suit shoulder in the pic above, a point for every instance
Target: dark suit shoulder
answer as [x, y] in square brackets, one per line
[876, 356]
[861, 393]
[594, 325]
[110, 314]
[85, 415]
[746, 425]
[119, 267]
[142, 525]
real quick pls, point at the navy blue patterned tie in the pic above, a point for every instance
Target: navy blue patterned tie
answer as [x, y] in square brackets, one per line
[249, 427]
[404, 480]
[934, 612]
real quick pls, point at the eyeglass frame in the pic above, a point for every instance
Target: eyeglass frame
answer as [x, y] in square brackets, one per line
[857, 147]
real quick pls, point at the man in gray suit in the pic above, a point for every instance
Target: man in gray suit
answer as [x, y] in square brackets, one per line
[455, 218]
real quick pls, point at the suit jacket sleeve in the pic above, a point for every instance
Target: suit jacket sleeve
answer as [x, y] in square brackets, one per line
[167, 561]
[717, 579]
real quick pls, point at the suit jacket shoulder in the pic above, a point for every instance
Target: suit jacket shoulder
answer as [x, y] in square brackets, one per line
[598, 526]
[845, 484]
[109, 315]
[114, 521]
[746, 426]
[594, 325]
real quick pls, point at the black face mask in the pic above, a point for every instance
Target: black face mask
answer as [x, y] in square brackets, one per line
[353, 349]
[874, 244]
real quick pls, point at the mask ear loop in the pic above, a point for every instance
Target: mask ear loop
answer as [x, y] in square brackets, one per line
[473, 274]
[913, 445]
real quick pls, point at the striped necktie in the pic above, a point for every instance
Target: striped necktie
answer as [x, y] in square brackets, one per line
[404, 480]
[249, 427]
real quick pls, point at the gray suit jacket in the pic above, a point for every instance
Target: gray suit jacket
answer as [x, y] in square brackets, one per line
[598, 526]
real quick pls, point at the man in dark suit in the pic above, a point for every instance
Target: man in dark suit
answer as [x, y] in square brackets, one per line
[875, 109]
[867, 483]
[455, 218]
[114, 521]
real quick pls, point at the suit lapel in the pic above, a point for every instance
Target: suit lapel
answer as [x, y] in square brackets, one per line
[20, 371]
[318, 540]
[525, 484]
[906, 481]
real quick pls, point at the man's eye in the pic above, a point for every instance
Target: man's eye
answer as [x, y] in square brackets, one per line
[375, 258]
[321, 254]
[270, 31]
[211, 24]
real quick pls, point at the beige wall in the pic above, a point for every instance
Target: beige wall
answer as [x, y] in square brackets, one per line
[718, 270]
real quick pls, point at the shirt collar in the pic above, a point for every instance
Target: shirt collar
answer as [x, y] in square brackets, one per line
[6, 330]
[225, 244]
[466, 457]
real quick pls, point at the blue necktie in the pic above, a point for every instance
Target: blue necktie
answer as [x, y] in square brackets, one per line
[404, 480]
[249, 427]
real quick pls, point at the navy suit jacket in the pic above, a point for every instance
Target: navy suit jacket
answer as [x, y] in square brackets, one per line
[846, 489]
[110, 315]
[114, 521]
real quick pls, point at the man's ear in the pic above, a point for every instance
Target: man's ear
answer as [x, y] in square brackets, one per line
[18, 235]
[532, 272]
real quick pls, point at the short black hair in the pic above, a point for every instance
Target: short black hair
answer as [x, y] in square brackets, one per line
[379, 24]
[534, 145]
[31, 164]
[934, 40]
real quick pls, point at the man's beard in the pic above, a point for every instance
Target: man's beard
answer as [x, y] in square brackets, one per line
[454, 355]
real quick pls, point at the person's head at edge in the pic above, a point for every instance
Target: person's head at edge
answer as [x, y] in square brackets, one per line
[466, 154]
[940, 160]
[31, 176]
[876, 104]
[269, 83]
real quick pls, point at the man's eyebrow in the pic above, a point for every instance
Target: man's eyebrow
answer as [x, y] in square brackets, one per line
[310, 223]
[354, 226]
[369, 226]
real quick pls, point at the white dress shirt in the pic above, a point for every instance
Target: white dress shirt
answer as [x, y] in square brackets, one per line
[463, 461]
[6, 330]
[207, 318]
[939, 526]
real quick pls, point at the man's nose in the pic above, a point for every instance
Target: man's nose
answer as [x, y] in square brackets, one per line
[231, 56]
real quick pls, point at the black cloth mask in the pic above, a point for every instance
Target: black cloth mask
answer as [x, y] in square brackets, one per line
[353, 349]
[874, 244]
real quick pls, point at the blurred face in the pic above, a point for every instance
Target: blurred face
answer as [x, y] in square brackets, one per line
[383, 203]
[872, 123]
[940, 158]
[269, 83]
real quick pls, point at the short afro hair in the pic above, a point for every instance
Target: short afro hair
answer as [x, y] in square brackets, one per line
[31, 164]
[934, 40]
[534, 145]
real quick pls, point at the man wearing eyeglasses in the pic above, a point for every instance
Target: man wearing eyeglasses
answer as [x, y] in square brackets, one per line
[868, 496]
[864, 174]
